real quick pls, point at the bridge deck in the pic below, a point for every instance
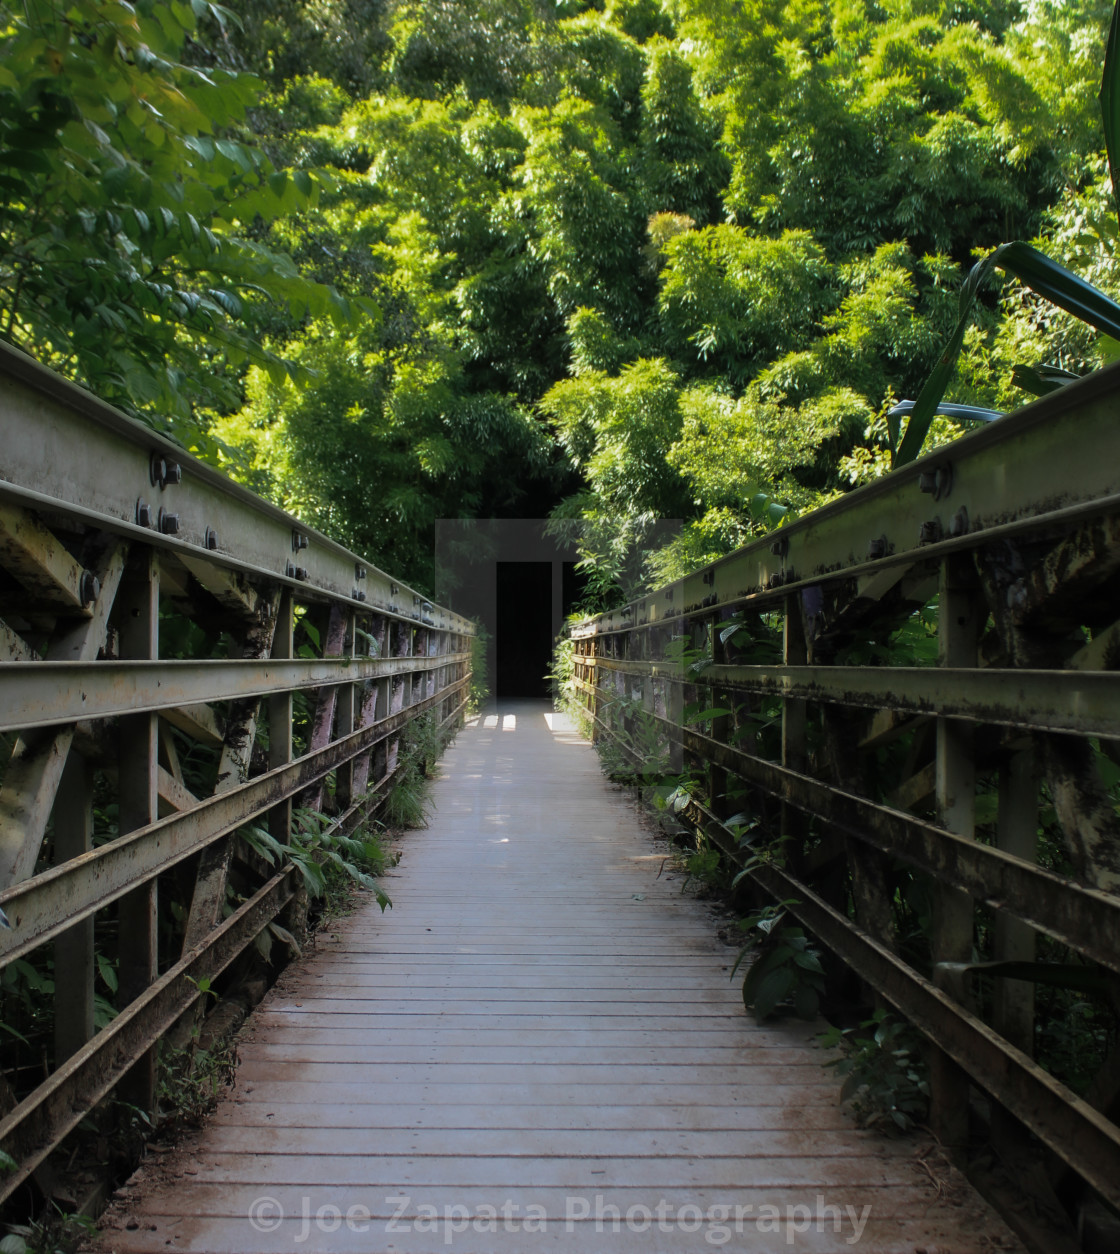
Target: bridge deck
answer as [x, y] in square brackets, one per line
[540, 1030]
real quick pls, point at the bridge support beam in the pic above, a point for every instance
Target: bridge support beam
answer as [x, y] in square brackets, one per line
[138, 772]
[952, 939]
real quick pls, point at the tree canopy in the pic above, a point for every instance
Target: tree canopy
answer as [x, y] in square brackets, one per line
[389, 260]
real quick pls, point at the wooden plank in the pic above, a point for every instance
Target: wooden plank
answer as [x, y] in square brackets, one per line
[537, 1143]
[577, 1172]
[258, 1057]
[497, 1093]
[389, 1036]
[887, 1201]
[767, 1235]
[542, 1071]
[250, 1114]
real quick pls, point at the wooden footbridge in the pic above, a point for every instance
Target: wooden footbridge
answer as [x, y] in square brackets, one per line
[539, 1045]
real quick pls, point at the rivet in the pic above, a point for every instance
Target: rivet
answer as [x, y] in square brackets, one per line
[89, 587]
[938, 482]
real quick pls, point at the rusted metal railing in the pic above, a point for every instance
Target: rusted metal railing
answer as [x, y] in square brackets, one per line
[1009, 539]
[109, 533]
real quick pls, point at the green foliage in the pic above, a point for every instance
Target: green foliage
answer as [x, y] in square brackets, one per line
[1044, 276]
[343, 41]
[735, 301]
[785, 967]
[480, 678]
[127, 250]
[885, 1077]
[407, 799]
[684, 168]
[190, 1081]
[56, 1232]
[625, 261]
[322, 853]
[483, 47]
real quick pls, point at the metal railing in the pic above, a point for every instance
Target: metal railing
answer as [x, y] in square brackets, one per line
[152, 611]
[772, 678]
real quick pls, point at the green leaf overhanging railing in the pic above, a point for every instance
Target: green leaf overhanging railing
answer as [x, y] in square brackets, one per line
[1042, 275]
[1038, 272]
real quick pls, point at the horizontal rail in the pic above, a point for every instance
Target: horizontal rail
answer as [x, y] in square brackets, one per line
[61, 1102]
[41, 694]
[1081, 917]
[1085, 702]
[40, 908]
[1080, 1135]
[67, 453]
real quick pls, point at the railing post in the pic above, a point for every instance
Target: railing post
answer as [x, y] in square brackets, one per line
[1014, 940]
[952, 939]
[594, 675]
[280, 717]
[344, 719]
[73, 951]
[795, 652]
[721, 726]
[138, 957]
